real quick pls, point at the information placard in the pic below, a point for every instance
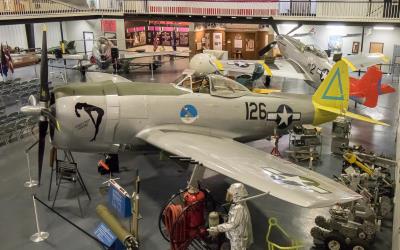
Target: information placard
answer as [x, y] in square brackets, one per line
[119, 200]
[105, 235]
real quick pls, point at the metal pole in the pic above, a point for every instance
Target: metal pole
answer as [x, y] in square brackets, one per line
[39, 236]
[152, 74]
[362, 39]
[30, 183]
[65, 61]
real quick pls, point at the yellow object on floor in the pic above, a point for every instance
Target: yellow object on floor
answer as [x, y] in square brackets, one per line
[285, 242]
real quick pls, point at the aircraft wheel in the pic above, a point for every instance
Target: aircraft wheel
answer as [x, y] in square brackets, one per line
[358, 245]
[267, 82]
[335, 241]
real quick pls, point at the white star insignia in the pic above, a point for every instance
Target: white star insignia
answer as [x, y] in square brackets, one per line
[284, 117]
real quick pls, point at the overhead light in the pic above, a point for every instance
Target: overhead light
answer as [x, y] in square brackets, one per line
[265, 18]
[383, 28]
[218, 17]
[249, 17]
[233, 17]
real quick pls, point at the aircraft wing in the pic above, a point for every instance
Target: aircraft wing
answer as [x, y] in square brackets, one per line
[253, 167]
[133, 55]
[361, 61]
[280, 68]
[67, 57]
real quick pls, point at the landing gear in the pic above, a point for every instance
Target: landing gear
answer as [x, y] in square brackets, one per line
[267, 82]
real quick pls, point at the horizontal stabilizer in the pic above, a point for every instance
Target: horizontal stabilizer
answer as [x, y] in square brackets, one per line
[351, 115]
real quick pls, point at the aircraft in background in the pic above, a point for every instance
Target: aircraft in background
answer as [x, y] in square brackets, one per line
[106, 54]
[312, 65]
[208, 126]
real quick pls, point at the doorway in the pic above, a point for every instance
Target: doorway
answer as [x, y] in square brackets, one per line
[88, 40]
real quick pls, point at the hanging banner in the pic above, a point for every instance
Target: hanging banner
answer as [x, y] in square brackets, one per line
[109, 26]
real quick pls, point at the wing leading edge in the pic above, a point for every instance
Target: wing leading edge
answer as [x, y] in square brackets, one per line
[253, 167]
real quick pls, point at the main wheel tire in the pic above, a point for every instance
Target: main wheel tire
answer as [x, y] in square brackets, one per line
[358, 245]
[335, 241]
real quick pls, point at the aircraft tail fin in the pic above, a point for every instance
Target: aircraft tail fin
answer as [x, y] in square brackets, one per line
[332, 97]
[367, 87]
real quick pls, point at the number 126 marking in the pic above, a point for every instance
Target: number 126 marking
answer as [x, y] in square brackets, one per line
[256, 111]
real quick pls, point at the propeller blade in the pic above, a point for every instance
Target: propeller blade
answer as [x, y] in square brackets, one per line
[53, 121]
[267, 48]
[294, 29]
[275, 28]
[44, 70]
[42, 144]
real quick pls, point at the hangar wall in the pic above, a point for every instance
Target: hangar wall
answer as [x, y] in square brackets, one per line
[14, 35]
[75, 29]
[53, 34]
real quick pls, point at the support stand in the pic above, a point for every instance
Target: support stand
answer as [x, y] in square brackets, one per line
[275, 150]
[39, 235]
[152, 69]
[67, 170]
[30, 183]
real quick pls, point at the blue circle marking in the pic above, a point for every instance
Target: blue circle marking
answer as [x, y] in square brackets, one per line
[188, 113]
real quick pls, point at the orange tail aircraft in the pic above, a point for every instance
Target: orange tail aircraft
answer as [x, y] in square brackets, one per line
[367, 89]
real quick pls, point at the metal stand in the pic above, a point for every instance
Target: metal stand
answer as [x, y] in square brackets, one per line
[30, 183]
[39, 236]
[152, 69]
[152, 73]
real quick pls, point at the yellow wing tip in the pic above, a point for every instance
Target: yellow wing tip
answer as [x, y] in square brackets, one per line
[265, 91]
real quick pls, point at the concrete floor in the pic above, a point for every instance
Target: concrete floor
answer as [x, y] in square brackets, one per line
[161, 179]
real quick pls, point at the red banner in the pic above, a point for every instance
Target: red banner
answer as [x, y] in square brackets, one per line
[109, 26]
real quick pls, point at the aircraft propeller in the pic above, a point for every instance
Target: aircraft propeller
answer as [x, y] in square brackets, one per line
[270, 45]
[42, 109]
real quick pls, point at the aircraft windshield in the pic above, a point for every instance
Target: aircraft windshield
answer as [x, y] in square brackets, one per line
[226, 87]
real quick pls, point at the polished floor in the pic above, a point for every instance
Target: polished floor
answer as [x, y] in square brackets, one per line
[161, 179]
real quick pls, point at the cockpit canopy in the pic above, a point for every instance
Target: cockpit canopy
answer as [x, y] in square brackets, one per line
[315, 50]
[216, 85]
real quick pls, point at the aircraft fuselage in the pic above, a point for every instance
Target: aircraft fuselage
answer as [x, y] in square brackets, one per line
[114, 113]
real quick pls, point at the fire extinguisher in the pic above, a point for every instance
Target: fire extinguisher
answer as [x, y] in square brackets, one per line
[194, 202]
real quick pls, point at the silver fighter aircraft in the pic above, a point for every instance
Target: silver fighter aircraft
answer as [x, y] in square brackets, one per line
[208, 126]
[312, 65]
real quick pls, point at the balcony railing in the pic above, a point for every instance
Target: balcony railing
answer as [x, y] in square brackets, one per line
[333, 10]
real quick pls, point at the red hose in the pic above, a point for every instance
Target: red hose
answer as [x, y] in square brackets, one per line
[176, 229]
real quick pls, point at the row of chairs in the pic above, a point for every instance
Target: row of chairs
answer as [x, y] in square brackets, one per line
[19, 92]
[15, 126]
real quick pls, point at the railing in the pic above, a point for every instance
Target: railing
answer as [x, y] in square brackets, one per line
[333, 10]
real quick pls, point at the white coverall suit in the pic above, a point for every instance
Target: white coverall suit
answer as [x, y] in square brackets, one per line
[238, 228]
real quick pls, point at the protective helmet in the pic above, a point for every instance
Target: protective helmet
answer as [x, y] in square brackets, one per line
[203, 64]
[236, 192]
